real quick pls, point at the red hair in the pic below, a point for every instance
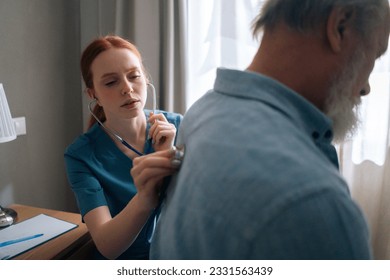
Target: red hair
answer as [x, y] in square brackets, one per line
[96, 47]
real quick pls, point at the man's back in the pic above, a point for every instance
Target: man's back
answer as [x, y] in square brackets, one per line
[268, 187]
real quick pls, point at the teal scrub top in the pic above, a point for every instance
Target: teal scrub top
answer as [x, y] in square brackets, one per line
[99, 175]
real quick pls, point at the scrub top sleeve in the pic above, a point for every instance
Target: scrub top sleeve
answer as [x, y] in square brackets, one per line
[86, 187]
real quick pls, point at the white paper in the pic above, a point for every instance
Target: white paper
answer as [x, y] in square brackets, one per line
[49, 226]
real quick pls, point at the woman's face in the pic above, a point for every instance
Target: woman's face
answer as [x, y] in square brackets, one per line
[119, 84]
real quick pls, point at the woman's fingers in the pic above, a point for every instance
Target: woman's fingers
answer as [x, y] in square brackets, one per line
[158, 164]
[149, 171]
[161, 132]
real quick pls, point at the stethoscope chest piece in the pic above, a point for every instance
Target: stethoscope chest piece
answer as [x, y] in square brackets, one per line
[177, 155]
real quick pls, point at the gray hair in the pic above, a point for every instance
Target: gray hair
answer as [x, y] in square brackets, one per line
[307, 15]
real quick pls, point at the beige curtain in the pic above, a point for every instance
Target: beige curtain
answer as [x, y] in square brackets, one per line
[173, 56]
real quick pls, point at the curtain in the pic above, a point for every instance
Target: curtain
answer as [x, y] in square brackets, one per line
[365, 161]
[173, 55]
[370, 187]
[219, 35]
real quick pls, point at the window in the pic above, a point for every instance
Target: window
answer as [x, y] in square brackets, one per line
[219, 36]
[370, 142]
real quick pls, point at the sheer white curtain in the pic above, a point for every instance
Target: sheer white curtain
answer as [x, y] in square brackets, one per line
[219, 35]
[365, 161]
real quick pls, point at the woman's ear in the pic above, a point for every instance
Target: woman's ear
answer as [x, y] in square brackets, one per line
[339, 26]
[91, 93]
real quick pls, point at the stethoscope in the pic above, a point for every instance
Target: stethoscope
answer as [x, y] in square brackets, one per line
[113, 133]
[176, 160]
[177, 153]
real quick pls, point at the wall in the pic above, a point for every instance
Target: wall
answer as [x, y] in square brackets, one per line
[39, 68]
[40, 43]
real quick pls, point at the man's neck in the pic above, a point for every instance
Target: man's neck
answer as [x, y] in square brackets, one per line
[299, 61]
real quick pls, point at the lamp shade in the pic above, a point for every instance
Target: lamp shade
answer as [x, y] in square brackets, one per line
[7, 126]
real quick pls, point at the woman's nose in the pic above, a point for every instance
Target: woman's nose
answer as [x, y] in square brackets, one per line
[127, 88]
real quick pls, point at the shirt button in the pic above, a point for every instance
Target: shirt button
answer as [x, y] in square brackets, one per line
[328, 134]
[315, 135]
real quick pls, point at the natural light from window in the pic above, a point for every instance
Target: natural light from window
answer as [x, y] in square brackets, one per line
[220, 35]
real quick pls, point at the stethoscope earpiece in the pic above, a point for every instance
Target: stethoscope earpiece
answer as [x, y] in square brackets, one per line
[154, 108]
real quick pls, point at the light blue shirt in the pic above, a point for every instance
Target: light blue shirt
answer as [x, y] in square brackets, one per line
[99, 174]
[259, 180]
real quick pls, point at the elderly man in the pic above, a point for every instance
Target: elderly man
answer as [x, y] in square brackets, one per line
[260, 177]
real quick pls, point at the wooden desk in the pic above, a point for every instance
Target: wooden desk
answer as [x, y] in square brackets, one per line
[75, 244]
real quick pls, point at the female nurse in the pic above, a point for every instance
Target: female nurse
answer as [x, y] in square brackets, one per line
[119, 213]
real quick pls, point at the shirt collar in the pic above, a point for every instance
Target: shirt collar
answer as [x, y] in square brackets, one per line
[245, 84]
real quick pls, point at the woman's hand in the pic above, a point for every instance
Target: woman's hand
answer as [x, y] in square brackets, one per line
[161, 132]
[148, 173]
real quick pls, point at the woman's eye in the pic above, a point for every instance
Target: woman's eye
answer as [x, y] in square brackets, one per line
[134, 76]
[110, 83]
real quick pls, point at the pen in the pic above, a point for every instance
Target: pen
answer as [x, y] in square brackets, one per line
[10, 242]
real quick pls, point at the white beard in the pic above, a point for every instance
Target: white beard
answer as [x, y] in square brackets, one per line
[341, 105]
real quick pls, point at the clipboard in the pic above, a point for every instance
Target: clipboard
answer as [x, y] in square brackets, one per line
[28, 234]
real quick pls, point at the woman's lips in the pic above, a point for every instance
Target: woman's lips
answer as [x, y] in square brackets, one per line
[130, 103]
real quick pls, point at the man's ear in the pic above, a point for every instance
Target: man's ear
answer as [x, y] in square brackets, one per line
[338, 26]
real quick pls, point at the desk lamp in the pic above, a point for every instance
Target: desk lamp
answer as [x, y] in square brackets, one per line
[7, 133]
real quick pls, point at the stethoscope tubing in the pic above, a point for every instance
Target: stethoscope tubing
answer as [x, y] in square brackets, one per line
[114, 133]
